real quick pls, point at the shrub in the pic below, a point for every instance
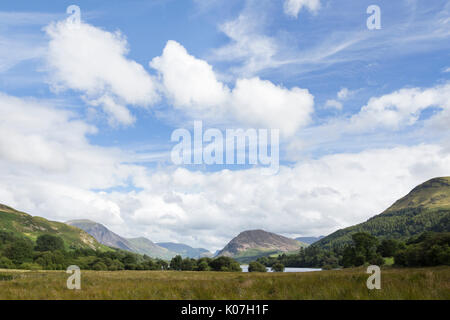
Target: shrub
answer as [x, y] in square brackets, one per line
[278, 267]
[256, 267]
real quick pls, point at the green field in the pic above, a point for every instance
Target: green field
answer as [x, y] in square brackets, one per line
[420, 283]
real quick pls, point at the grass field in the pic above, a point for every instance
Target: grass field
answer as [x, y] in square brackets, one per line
[420, 283]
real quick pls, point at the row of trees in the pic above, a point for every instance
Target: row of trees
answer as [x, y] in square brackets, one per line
[205, 264]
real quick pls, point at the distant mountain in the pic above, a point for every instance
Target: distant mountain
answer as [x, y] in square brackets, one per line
[309, 240]
[25, 225]
[184, 250]
[249, 245]
[425, 208]
[111, 239]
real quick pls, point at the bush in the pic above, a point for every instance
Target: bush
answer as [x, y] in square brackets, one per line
[19, 251]
[47, 242]
[256, 267]
[5, 263]
[225, 264]
[278, 267]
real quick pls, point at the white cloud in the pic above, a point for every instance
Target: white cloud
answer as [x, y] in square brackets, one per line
[447, 70]
[192, 85]
[293, 7]
[400, 108]
[248, 44]
[333, 104]
[188, 81]
[93, 61]
[343, 94]
[261, 103]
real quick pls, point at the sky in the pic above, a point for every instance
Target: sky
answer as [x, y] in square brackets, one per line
[88, 108]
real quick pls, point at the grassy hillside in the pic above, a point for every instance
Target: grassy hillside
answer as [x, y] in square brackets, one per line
[425, 208]
[405, 283]
[23, 224]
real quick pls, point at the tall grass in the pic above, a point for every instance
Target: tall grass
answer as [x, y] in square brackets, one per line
[420, 283]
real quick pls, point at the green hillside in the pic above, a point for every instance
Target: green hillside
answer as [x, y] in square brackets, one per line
[24, 225]
[425, 208]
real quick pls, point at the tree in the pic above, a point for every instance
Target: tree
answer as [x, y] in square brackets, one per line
[255, 266]
[203, 266]
[278, 267]
[188, 264]
[388, 247]
[48, 242]
[175, 263]
[20, 251]
[225, 264]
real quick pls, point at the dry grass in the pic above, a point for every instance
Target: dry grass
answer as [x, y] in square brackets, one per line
[420, 283]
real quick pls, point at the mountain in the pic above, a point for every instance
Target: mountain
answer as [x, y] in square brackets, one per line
[145, 246]
[184, 250]
[309, 240]
[23, 224]
[102, 234]
[111, 239]
[425, 208]
[252, 244]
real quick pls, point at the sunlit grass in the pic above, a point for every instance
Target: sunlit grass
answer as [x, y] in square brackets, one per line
[420, 283]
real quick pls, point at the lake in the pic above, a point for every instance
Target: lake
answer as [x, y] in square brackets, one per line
[245, 269]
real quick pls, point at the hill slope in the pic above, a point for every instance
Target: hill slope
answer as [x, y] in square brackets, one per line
[111, 239]
[425, 208]
[23, 224]
[145, 246]
[309, 240]
[249, 245]
[184, 250]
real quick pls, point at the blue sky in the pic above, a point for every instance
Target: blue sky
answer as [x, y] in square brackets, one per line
[361, 112]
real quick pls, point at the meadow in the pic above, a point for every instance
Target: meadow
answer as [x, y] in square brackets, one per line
[411, 283]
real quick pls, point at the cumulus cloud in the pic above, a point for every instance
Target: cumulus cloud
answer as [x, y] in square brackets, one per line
[400, 108]
[293, 7]
[48, 167]
[189, 82]
[193, 86]
[333, 104]
[93, 61]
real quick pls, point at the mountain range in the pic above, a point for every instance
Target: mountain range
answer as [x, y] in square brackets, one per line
[138, 245]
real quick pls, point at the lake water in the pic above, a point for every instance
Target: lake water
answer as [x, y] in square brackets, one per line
[245, 269]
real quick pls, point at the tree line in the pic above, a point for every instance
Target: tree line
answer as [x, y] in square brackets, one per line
[48, 253]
